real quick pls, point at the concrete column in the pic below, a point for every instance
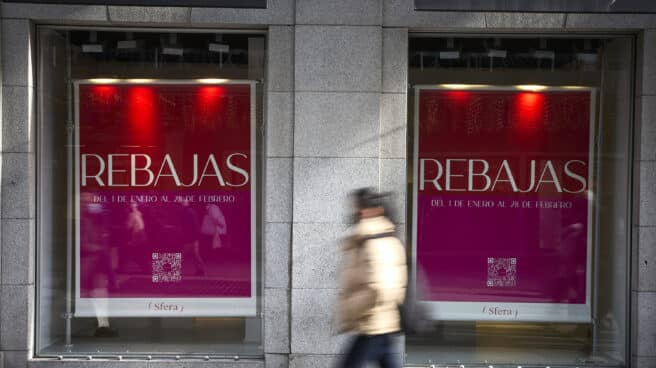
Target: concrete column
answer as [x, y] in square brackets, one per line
[278, 194]
[644, 285]
[17, 188]
[1, 125]
[337, 84]
[394, 121]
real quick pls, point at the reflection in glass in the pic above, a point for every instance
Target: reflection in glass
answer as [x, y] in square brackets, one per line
[481, 101]
[132, 247]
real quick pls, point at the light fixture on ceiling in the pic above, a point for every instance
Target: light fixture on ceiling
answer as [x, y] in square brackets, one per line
[587, 55]
[218, 46]
[543, 53]
[496, 51]
[129, 44]
[171, 47]
[93, 46]
[450, 53]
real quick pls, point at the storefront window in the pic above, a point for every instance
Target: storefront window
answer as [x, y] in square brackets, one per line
[520, 152]
[148, 199]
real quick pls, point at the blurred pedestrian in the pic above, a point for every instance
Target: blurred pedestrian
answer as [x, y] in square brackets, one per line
[373, 284]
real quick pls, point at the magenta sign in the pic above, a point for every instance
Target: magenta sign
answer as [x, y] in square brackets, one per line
[502, 202]
[165, 180]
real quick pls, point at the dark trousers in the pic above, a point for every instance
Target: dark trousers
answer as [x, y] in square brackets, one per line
[373, 348]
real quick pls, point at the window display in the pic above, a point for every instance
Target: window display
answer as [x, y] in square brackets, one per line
[148, 203]
[519, 151]
[513, 164]
[165, 229]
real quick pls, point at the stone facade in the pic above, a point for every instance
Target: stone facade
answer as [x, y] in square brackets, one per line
[336, 119]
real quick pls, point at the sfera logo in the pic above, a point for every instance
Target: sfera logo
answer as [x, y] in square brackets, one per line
[476, 175]
[111, 170]
[165, 307]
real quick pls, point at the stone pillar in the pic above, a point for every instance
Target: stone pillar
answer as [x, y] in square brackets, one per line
[17, 173]
[394, 121]
[643, 347]
[278, 194]
[337, 84]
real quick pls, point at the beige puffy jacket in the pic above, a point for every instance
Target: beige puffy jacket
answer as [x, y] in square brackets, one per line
[373, 279]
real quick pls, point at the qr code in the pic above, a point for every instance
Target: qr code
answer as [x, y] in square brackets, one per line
[167, 267]
[501, 272]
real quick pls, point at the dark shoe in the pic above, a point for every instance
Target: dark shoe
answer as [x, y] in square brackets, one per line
[105, 332]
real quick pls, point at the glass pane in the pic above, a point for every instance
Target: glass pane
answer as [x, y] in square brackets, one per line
[520, 152]
[149, 238]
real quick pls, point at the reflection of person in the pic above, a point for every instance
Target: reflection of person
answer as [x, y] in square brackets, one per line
[136, 240]
[97, 258]
[136, 226]
[572, 237]
[373, 284]
[214, 225]
[190, 236]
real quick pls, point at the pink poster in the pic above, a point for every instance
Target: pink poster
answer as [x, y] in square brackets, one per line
[165, 174]
[502, 202]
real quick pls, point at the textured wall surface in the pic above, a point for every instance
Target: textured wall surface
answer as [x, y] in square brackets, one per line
[336, 132]
[17, 192]
[644, 247]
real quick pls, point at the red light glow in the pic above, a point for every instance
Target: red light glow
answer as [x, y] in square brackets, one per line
[209, 102]
[458, 96]
[103, 94]
[141, 109]
[209, 94]
[529, 109]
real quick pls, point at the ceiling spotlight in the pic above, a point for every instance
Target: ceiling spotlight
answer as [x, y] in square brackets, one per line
[126, 44]
[218, 46]
[450, 53]
[172, 48]
[129, 44]
[173, 51]
[543, 52]
[92, 46]
[587, 56]
[495, 51]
